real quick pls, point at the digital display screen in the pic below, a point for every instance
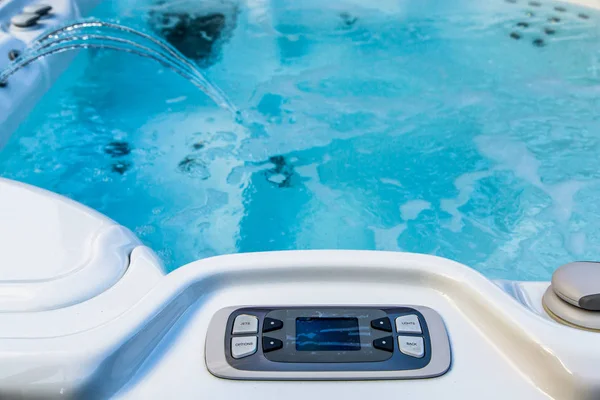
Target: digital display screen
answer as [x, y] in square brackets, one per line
[327, 334]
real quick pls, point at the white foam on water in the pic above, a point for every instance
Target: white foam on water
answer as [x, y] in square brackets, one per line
[387, 239]
[408, 83]
[516, 158]
[511, 155]
[465, 185]
[338, 211]
[393, 182]
[577, 243]
[527, 230]
[563, 195]
[277, 178]
[411, 209]
[176, 100]
[212, 208]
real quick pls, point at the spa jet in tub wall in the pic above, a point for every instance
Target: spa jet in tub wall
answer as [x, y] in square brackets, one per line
[21, 22]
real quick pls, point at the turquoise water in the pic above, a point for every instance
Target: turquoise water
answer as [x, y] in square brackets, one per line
[460, 129]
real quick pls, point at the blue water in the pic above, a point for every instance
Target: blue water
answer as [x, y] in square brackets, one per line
[416, 126]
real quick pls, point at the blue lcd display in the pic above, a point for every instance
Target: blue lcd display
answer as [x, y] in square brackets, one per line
[327, 334]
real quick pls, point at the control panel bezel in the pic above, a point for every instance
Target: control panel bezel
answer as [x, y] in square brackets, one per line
[368, 363]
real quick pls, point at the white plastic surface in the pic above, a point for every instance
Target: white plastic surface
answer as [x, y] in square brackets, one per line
[144, 337]
[55, 252]
[528, 294]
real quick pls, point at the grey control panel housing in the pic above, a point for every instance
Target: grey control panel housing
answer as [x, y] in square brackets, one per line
[277, 354]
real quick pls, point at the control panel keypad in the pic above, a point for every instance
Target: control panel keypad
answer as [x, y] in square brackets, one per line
[243, 345]
[328, 342]
[398, 334]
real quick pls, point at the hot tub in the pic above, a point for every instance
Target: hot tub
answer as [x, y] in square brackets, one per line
[385, 219]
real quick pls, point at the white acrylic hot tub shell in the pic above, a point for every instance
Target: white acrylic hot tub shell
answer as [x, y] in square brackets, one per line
[55, 252]
[144, 338]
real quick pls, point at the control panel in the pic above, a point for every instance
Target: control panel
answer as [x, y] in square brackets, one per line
[393, 342]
